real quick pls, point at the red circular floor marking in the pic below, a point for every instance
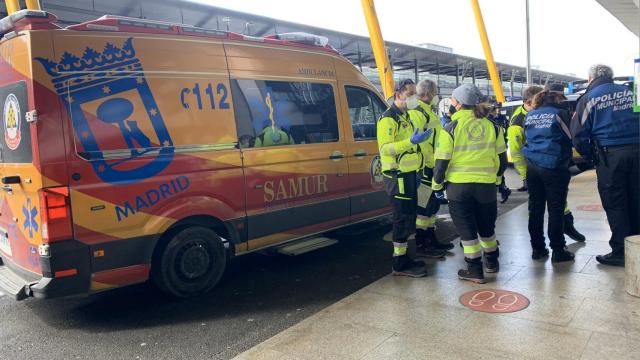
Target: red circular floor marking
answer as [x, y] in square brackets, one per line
[591, 207]
[494, 301]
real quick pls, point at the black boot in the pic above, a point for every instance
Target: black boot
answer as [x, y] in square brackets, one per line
[612, 259]
[524, 186]
[541, 253]
[430, 252]
[473, 272]
[505, 192]
[561, 255]
[570, 230]
[421, 238]
[433, 243]
[404, 266]
[425, 247]
[491, 264]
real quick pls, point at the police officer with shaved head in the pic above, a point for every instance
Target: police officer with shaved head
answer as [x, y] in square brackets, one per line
[607, 131]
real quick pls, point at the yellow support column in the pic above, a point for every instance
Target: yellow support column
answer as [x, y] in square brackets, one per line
[33, 4]
[491, 65]
[385, 71]
[12, 6]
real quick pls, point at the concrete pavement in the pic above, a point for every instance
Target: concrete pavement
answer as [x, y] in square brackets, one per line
[578, 310]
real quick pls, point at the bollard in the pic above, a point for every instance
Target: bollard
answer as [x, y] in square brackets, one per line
[632, 264]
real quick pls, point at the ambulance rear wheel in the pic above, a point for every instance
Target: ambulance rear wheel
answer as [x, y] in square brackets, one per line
[190, 263]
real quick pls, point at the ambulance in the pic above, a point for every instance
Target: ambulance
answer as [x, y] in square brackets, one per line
[135, 150]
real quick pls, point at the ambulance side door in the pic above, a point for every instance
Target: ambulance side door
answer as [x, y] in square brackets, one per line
[361, 111]
[296, 174]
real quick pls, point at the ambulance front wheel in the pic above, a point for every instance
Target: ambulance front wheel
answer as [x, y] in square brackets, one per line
[190, 263]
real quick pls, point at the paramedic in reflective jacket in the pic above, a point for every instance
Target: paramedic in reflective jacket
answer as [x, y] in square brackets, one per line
[607, 131]
[471, 156]
[400, 156]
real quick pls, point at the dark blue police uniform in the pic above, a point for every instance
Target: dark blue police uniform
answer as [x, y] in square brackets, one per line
[607, 131]
[548, 152]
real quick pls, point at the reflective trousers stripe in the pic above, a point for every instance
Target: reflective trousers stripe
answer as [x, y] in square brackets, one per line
[489, 244]
[401, 185]
[425, 222]
[399, 249]
[472, 249]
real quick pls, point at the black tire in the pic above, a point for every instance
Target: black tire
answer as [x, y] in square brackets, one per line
[189, 263]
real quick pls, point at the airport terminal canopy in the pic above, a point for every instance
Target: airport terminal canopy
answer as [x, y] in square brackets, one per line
[434, 62]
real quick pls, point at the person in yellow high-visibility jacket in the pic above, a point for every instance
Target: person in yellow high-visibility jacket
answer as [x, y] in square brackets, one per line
[400, 158]
[471, 156]
[425, 118]
[515, 133]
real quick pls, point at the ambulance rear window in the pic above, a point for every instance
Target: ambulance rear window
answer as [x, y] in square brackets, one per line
[15, 145]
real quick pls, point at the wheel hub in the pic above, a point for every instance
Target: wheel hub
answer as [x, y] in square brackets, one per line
[194, 261]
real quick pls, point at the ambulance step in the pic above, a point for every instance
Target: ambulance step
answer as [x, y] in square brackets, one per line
[11, 284]
[305, 245]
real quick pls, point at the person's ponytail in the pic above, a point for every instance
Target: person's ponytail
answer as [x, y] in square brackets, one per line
[482, 110]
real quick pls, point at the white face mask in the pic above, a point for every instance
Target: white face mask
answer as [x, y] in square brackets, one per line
[435, 101]
[412, 102]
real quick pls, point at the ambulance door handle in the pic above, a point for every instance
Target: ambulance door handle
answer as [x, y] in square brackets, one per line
[337, 155]
[360, 154]
[11, 180]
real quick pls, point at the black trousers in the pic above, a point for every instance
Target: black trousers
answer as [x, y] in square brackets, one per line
[474, 209]
[618, 185]
[402, 191]
[547, 187]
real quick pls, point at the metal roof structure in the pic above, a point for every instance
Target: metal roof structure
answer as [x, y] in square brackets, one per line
[412, 61]
[626, 11]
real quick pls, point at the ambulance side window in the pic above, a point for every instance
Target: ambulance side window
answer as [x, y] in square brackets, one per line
[279, 113]
[364, 110]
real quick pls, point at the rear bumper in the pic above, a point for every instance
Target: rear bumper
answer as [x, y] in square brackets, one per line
[67, 257]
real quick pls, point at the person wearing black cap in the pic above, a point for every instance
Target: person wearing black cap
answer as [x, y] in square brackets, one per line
[548, 152]
[400, 157]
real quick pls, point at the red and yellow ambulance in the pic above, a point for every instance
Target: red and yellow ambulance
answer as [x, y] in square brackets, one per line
[135, 150]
